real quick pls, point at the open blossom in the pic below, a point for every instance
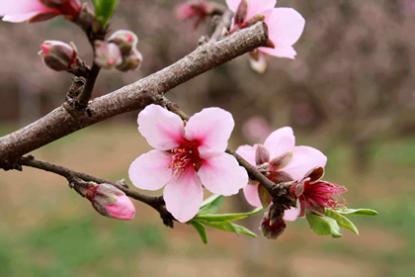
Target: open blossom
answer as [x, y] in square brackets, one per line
[185, 157]
[38, 10]
[110, 201]
[314, 195]
[285, 25]
[280, 160]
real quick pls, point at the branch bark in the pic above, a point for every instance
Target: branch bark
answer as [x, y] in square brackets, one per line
[60, 122]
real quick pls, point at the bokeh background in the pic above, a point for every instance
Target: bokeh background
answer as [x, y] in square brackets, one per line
[350, 92]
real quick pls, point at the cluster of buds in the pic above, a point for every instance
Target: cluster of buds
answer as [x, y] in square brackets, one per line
[118, 51]
[108, 200]
[59, 56]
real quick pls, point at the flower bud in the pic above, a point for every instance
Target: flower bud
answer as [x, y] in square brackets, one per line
[58, 55]
[125, 40]
[131, 62]
[273, 224]
[109, 201]
[107, 55]
[257, 62]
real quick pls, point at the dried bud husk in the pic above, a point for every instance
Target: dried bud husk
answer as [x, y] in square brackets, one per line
[257, 62]
[241, 12]
[59, 55]
[107, 55]
[69, 8]
[125, 40]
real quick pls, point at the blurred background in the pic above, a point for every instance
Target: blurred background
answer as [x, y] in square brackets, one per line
[350, 92]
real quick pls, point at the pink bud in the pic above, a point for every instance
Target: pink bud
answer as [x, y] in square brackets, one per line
[58, 55]
[197, 10]
[125, 40]
[110, 201]
[107, 55]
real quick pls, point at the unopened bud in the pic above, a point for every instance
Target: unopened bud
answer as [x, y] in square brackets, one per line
[109, 201]
[241, 12]
[107, 55]
[58, 55]
[273, 224]
[125, 40]
[131, 62]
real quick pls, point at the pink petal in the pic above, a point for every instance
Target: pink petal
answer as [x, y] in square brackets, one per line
[23, 10]
[212, 127]
[162, 129]
[304, 159]
[233, 4]
[247, 152]
[17, 18]
[183, 196]
[150, 171]
[256, 7]
[281, 51]
[280, 142]
[291, 214]
[123, 209]
[251, 195]
[285, 26]
[222, 175]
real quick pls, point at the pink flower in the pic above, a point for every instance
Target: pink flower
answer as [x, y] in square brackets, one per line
[280, 160]
[38, 10]
[314, 194]
[185, 157]
[110, 201]
[285, 25]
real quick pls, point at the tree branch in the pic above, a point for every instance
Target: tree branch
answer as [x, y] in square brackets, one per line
[153, 201]
[60, 122]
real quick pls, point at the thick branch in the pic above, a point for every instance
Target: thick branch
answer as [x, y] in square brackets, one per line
[60, 122]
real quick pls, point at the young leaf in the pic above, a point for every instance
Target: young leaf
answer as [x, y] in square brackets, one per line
[211, 204]
[104, 9]
[226, 217]
[348, 211]
[231, 227]
[201, 230]
[342, 220]
[323, 225]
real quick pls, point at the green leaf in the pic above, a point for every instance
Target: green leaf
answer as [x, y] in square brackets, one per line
[211, 204]
[104, 9]
[226, 217]
[342, 220]
[348, 211]
[231, 227]
[323, 225]
[201, 230]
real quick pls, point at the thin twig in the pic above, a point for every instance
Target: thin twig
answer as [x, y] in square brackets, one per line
[155, 202]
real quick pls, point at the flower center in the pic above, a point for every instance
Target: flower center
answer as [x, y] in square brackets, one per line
[185, 156]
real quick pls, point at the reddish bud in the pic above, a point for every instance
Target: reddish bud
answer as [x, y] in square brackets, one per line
[273, 224]
[197, 10]
[241, 12]
[58, 55]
